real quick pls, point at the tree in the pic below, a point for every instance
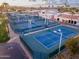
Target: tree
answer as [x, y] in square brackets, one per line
[3, 29]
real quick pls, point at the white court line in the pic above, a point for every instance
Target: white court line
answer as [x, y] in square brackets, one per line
[41, 30]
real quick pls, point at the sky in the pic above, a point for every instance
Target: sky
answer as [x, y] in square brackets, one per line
[22, 2]
[32, 2]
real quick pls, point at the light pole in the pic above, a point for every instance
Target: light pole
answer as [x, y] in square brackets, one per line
[30, 23]
[59, 32]
[46, 21]
[17, 17]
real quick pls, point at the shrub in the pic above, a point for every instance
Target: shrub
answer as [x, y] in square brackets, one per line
[72, 45]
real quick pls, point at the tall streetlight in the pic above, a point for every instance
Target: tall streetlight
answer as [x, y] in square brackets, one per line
[46, 20]
[30, 22]
[17, 17]
[60, 33]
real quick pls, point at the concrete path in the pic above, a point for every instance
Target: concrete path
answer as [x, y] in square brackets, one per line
[15, 38]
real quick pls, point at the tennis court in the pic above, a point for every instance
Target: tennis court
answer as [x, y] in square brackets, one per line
[49, 39]
[26, 23]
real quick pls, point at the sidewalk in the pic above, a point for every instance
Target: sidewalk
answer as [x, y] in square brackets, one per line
[15, 38]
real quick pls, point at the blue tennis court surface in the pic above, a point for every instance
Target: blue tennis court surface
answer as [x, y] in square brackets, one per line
[49, 39]
[21, 23]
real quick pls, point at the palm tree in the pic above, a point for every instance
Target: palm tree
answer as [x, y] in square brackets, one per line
[5, 4]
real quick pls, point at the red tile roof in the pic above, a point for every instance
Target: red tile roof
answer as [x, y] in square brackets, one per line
[69, 16]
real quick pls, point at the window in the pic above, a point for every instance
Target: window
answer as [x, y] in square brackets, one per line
[69, 21]
[75, 22]
[58, 19]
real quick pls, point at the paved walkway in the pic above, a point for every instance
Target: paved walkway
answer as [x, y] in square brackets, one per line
[15, 38]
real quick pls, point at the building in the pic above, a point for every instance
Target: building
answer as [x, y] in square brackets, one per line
[49, 13]
[68, 18]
